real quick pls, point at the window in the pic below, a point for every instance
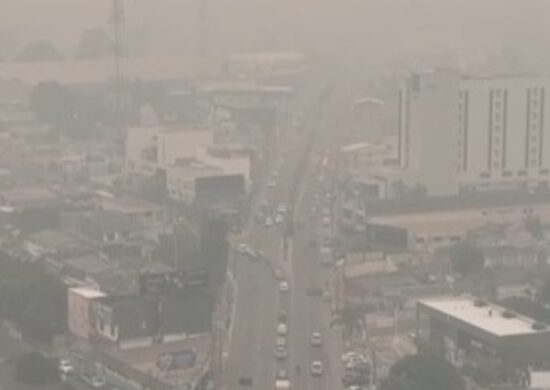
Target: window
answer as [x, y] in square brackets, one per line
[522, 172]
[485, 175]
[544, 171]
[507, 173]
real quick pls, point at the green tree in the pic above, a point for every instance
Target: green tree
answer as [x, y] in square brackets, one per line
[466, 259]
[33, 299]
[73, 113]
[39, 51]
[352, 318]
[423, 372]
[35, 369]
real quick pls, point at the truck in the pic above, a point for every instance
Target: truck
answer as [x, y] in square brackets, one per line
[282, 384]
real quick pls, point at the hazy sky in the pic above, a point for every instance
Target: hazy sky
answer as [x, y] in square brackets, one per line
[164, 26]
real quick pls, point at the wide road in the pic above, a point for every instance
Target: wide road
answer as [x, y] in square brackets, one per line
[253, 334]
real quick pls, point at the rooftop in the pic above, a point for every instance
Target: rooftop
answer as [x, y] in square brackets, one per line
[88, 292]
[485, 316]
[481, 200]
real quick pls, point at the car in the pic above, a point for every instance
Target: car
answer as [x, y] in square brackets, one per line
[242, 249]
[281, 209]
[283, 286]
[271, 184]
[347, 356]
[96, 381]
[280, 341]
[65, 366]
[269, 221]
[282, 316]
[316, 339]
[279, 218]
[281, 353]
[279, 274]
[282, 329]
[317, 368]
[327, 297]
[282, 374]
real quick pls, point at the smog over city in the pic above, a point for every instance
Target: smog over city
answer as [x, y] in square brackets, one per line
[274, 194]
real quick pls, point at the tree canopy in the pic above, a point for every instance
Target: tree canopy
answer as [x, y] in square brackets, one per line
[32, 298]
[466, 259]
[38, 51]
[423, 372]
[33, 368]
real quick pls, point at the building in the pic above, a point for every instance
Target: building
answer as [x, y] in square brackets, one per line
[440, 221]
[472, 333]
[427, 142]
[474, 133]
[80, 310]
[221, 176]
[151, 146]
[503, 134]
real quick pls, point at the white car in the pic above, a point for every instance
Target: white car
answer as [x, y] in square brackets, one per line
[316, 339]
[317, 368]
[279, 218]
[282, 329]
[242, 249]
[269, 221]
[65, 368]
[283, 286]
[271, 184]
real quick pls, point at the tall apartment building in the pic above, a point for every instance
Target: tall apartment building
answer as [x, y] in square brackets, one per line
[427, 146]
[494, 129]
[503, 131]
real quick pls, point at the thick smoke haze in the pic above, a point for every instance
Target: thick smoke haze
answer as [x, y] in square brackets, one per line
[171, 27]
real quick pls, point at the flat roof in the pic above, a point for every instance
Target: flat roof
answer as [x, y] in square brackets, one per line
[88, 292]
[487, 317]
[473, 201]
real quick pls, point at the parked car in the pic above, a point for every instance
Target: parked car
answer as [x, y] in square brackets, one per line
[316, 339]
[317, 368]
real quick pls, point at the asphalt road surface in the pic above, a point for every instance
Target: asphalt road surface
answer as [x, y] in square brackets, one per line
[253, 334]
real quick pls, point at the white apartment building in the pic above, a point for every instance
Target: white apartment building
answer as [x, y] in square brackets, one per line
[475, 132]
[503, 131]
